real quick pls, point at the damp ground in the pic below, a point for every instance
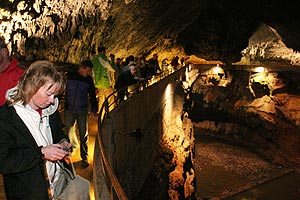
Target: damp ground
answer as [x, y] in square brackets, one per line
[230, 172]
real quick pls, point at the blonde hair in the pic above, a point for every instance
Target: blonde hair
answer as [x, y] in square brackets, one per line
[36, 76]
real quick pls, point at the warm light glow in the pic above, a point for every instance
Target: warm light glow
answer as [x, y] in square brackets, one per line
[167, 114]
[190, 67]
[259, 69]
[187, 74]
[260, 78]
[263, 78]
[21, 6]
[217, 70]
[154, 80]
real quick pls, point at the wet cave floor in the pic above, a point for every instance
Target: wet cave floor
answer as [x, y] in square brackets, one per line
[226, 171]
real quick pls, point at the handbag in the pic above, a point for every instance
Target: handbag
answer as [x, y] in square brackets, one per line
[71, 186]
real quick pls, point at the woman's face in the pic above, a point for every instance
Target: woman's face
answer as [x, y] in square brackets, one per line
[44, 96]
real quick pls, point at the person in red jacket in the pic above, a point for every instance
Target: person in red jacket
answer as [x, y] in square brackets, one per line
[10, 72]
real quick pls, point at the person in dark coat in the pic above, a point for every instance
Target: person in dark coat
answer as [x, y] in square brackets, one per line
[80, 90]
[153, 65]
[125, 79]
[32, 139]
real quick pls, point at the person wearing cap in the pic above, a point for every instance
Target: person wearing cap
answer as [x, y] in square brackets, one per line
[125, 79]
[80, 89]
[10, 71]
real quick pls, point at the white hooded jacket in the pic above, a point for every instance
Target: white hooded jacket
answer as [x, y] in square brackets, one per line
[39, 127]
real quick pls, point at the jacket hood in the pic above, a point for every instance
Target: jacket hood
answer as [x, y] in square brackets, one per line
[45, 112]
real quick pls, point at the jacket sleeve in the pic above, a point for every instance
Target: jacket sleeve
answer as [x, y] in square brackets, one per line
[106, 64]
[14, 159]
[18, 150]
[57, 128]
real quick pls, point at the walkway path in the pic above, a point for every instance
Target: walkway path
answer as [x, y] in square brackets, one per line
[87, 172]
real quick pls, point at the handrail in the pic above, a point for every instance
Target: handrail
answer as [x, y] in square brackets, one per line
[115, 184]
[112, 181]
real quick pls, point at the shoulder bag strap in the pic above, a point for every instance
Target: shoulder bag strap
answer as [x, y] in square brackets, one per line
[72, 173]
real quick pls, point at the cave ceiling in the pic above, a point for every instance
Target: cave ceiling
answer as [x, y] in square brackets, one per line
[68, 31]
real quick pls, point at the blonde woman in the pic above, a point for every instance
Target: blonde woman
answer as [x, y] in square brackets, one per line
[31, 134]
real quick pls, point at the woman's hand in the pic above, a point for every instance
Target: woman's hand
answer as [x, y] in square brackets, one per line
[54, 152]
[66, 145]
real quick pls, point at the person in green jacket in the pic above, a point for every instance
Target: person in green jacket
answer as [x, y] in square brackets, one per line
[103, 71]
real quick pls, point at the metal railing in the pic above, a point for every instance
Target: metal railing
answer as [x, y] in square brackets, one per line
[113, 185]
[112, 181]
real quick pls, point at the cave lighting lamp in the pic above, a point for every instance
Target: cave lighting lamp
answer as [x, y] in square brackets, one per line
[217, 70]
[259, 69]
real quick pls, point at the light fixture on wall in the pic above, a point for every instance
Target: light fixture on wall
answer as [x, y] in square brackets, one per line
[217, 70]
[136, 133]
[259, 69]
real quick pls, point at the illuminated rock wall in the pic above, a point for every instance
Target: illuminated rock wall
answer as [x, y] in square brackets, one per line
[53, 30]
[159, 163]
[69, 31]
[259, 110]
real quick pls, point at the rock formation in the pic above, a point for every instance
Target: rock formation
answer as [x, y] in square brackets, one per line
[260, 109]
[68, 31]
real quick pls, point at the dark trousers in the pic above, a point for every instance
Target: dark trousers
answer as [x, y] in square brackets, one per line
[81, 117]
